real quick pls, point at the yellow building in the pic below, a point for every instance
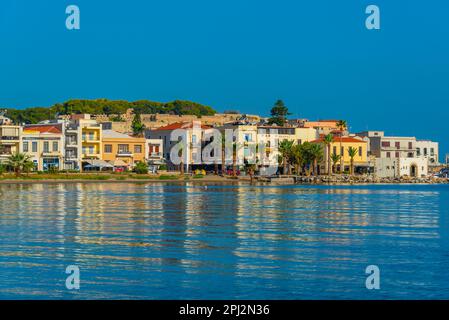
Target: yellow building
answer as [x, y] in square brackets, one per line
[121, 150]
[91, 135]
[340, 146]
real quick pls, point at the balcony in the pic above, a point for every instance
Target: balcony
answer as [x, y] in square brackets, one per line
[90, 155]
[124, 154]
[51, 154]
[155, 155]
[10, 138]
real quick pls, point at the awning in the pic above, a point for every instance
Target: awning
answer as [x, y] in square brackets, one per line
[366, 165]
[98, 164]
[120, 163]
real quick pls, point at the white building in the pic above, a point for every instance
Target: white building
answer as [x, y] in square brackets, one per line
[159, 142]
[44, 143]
[395, 156]
[429, 150]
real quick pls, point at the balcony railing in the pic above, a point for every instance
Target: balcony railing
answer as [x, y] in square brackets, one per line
[124, 154]
[10, 138]
[155, 154]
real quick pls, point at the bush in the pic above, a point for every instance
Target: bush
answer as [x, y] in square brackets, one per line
[166, 177]
[141, 168]
[2, 169]
[53, 170]
[163, 167]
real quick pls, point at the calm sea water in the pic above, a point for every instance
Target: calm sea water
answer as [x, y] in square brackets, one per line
[157, 241]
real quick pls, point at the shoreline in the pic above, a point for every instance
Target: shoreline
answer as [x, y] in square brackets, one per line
[307, 181]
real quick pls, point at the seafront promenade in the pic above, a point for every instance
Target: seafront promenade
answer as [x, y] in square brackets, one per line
[175, 177]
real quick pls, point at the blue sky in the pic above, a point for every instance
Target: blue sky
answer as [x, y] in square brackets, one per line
[238, 54]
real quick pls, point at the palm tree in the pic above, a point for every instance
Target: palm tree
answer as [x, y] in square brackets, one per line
[328, 139]
[297, 157]
[20, 162]
[341, 125]
[285, 148]
[223, 150]
[352, 152]
[335, 159]
[250, 169]
[316, 154]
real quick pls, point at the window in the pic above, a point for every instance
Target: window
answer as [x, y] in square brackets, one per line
[360, 151]
[425, 151]
[107, 148]
[247, 137]
[418, 152]
[55, 146]
[34, 146]
[138, 148]
[123, 148]
[25, 147]
[194, 138]
[335, 150]
[410, 145]
[388, 155]
[396, 154]
[410, 155]
[397, 145]
[46, 147]
[91, 150]
[432, 151]
[91, 136]
[385, 144]
[342, 152]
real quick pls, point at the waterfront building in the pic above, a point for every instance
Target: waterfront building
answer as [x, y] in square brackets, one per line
[10, 138]
[193, 131]
[122, 150]
[340, 146]
[154, 151]
[323, 127]
[44, 143]
[247, 136]
[395, 156]
[429, 150]
[87, 134]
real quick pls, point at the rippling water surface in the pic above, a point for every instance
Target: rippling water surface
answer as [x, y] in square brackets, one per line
[160, 241]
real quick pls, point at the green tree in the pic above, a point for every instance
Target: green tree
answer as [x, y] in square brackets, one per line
[137, 126]
[327, 141]
[352, 152]
[285, 149]
[279, 113]
[342, 125]
[335, 159]
[316, 155]
[20, 162]
[297, 157]
[141, 168]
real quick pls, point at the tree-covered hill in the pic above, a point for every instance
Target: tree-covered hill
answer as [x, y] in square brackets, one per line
[104, 106]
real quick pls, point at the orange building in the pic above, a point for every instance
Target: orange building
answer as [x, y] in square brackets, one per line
[121, 150]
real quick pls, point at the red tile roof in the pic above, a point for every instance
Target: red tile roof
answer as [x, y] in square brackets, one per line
[342, 139]
[180, 125]
[45, 128]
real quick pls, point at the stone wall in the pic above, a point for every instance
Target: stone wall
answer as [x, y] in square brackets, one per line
[153, 121]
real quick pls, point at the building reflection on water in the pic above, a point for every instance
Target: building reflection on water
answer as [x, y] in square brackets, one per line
[159, 235]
